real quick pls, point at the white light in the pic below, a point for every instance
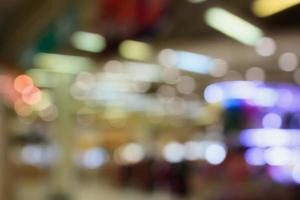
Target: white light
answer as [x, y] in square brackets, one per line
[167, 58]
[288, 62]
[266, 47]
[132, 153]
[215, 154]
[94, 158]
[265, 97]
[174, 152]
[272, 120]
[296, 174]
[255, 73]
[192, 62]
[278, 156]
[213, 94]
[194, 150]
[255, 156]
[90, 42]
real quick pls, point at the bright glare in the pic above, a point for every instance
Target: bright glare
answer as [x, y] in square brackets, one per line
[296, 174]
[132, 153]
[215, 154]
[94, 158]
[213, 94]
[174, 152]
[192, 62]
[135, 50]
[22, 82]
[90, 42]
[233, 26]
[265, 8]
[272, 120]
[255, 156]
[277, 156]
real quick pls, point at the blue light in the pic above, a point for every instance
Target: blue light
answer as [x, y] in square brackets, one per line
[192, 62]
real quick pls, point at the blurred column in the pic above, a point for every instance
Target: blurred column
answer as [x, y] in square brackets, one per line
[63, 174]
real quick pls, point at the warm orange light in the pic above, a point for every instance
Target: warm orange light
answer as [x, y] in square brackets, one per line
[31, 95]
[22, 82]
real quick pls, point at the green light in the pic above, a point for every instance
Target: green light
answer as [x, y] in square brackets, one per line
[90, 42]
[233, 26]
[62, 63]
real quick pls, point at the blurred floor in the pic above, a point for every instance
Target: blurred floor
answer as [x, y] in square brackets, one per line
[91, 190]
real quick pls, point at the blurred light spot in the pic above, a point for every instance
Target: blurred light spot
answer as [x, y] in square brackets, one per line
[265, 8]
[31, 95]
[141, 87]
[171, 75]
[277, 156]
[269, 137]
[174, 152]
[22, 82]
[22, 108]
[219, 69]
[288, 62]
[166, 91]
[215, 154]
[85, 80]
[296, 174]
[233, 26]
[62, 63]
[266, 47]
[194, 150]
[255, 73]
[90, 42]
[193, 62]
[37, 155]
[176, 106]
[135, 50]
[132, 153]
[139, 71]
[265, 97]
[196, 1]
[213, 94]
[272, 120]
[49, 114]
[255, 156]
[113, 66]
[186, 85]
[167, 58]
[94, 158]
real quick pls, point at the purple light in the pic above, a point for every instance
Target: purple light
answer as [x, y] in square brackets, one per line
[255, 156]
[284, 96]
[280, 174]
[270, 137]
[272, 120]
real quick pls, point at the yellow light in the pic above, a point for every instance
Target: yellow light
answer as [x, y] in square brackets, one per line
[265, 8]
[90, 42]
[135, 50]
[233, 26]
